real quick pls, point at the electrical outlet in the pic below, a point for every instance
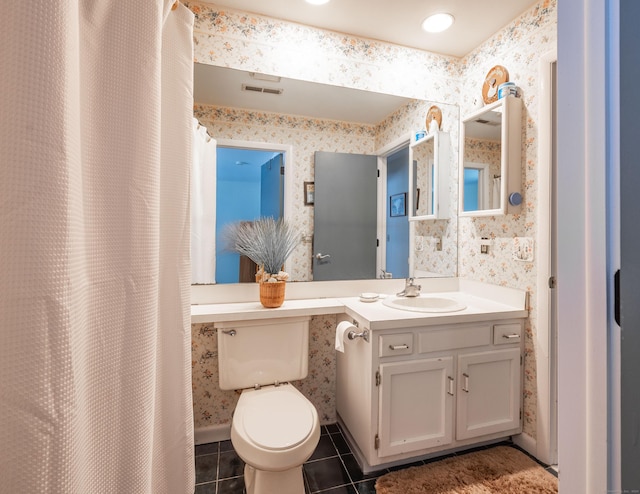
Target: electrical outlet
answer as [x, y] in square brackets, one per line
[485, 242]
[438, 243]
[522, 249]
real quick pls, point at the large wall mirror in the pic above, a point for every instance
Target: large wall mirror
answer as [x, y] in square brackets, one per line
[288, 122]
[490, 159]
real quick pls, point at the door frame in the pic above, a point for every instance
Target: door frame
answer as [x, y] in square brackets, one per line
[288, 163]
[582, 247]
[383, 153]
[546, 440]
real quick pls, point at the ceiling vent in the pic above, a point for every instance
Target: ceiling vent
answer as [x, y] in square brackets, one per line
[259, 89]
[487, 122]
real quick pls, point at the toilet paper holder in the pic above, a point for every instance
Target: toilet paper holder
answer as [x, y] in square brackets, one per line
[352, 335]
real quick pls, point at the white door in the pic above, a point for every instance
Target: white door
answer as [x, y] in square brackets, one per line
[415, 402]
[488, 393]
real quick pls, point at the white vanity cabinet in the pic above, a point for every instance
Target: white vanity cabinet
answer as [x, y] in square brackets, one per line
[414, 392]
[416, 405]
[488, 393]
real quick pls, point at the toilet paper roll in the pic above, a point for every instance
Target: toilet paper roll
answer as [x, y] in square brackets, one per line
[341, 330]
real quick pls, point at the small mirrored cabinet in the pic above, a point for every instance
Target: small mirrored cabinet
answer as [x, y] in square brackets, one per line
[429, 177]
[491, 160]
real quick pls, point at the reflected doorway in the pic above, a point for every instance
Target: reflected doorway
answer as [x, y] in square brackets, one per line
[397, 234]
[249, 185]
[476, 186]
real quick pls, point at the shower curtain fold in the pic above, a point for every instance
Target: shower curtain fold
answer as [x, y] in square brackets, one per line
[95, 141]
[203, 204]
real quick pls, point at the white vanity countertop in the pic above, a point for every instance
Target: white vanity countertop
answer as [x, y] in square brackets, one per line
[483, 301]
[245, 311]
[377, 316]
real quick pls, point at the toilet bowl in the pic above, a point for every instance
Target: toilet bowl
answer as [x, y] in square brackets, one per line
[274, 430]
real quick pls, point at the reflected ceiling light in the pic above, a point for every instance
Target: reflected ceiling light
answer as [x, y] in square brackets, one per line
[317, 2]
[437, 23]
[264, 77]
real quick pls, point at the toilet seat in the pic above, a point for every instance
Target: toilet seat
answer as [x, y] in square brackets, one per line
[274, 430]
[277, 419]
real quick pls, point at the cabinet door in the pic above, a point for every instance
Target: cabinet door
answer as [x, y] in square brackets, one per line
[488, 393]
[415, 405]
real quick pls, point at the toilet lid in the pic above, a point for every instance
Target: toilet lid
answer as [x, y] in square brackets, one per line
[281, 421]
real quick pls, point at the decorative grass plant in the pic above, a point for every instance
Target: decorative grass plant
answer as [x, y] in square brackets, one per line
[267, 242]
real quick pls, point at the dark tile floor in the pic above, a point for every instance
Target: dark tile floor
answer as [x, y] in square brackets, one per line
[332, 469]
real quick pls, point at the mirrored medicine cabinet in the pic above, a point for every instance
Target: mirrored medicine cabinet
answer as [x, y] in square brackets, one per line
[429, 177]
[490, 181]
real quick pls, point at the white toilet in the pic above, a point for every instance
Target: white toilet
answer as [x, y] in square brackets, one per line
[275, 429]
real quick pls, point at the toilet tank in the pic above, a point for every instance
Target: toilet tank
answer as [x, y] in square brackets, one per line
[262, 351]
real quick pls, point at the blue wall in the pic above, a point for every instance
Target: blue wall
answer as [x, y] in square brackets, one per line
[271, 195]
[238, 198]
[471, 179]
[397, 262]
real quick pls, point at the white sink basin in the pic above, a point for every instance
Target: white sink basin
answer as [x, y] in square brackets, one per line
[424, 303]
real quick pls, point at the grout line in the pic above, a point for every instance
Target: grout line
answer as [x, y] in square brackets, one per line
[218, 467]
[342, 461]
[320, 459]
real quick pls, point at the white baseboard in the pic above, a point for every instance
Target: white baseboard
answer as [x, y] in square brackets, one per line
[526, 442]
[212, 434]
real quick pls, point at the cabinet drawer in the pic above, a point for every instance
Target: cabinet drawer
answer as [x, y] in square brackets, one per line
[451, 338]
[503, 334]
[396, 344]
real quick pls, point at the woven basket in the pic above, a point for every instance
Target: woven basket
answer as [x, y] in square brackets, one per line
[272, 294]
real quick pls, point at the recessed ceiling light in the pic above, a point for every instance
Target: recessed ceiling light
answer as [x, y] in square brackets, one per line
[437, 23]
[317, 2]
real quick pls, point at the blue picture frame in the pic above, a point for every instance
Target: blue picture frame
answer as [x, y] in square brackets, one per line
[398, 204]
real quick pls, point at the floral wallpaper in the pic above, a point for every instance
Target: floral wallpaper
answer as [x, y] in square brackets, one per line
[518, 47]
[250, 42]
[307, 135]
[236, 39]
[406, 121]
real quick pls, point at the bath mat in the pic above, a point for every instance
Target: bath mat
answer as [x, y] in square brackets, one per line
[498, 470]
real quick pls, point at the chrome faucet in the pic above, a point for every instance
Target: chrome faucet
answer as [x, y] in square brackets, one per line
[410, 289]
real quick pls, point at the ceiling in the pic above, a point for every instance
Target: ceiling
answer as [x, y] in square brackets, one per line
[220, 86]
[396, 22]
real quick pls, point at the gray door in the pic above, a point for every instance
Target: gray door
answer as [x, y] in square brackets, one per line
[272, 187]
[345, 212]
[629, 306]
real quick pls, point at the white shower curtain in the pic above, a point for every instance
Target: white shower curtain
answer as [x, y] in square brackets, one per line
[495, 192]
[203, 206]
[95, 143]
